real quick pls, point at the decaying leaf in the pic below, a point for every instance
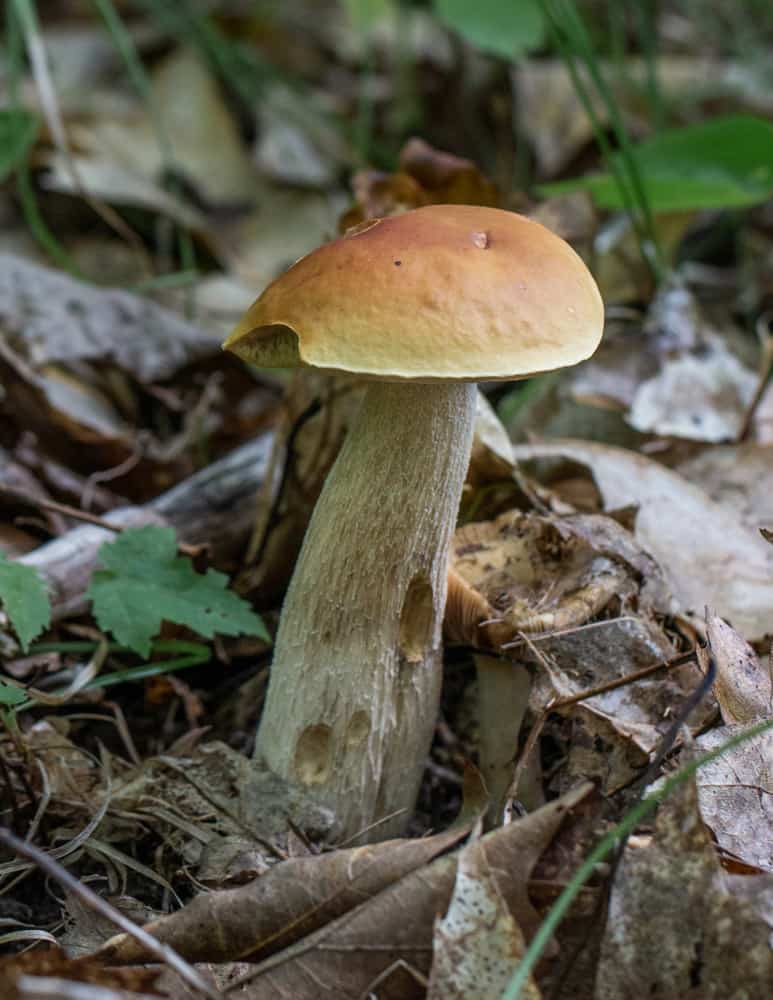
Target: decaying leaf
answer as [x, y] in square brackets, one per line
[545, 573]
[744, 685]
[425, 176]
[341, 960]
[675, 928]
[706, 554]
[49, 963]
[282, 906]
[213, 792]
[676, 374]
[477, 944]
[612, 735]
[536, 583]
[735, 795]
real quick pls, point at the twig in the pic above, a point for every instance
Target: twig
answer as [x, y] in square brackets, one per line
[78, 515]
[637, 675]
[765, 366]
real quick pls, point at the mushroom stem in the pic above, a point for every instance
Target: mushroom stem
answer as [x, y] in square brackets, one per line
[355, 684]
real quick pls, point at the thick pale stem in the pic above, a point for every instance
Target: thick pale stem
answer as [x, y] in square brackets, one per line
[355, 683]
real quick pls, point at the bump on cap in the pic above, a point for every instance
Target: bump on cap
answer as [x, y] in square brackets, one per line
[445, 292]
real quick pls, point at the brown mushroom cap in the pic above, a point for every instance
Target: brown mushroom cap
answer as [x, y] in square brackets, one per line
[445, 292]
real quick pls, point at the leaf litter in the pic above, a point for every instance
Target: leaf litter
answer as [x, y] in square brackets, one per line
[578, 591]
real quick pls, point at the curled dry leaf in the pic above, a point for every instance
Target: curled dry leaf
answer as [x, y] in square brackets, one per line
[541, 573]
[285, 904]
[744, 685]
[294, 898]
[675, 928]
[706, 554]
[735, 795]
[425, 176]
[340, 960]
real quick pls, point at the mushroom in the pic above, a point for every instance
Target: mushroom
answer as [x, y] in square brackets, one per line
[423, 305]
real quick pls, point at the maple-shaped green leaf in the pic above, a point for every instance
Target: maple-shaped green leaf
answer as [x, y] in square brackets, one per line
[24, 598]
[144, 582]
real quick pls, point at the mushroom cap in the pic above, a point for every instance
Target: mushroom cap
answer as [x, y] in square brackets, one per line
[441, 293]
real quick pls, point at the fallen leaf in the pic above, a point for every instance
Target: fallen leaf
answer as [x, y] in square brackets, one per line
[49, 318]
[706, 554]
[20, 974]
[545, 573]
[340, 960]
[292, 899]
[735, 795]
[674, 928]
[477, 945]
[744, 686]
[738, 476]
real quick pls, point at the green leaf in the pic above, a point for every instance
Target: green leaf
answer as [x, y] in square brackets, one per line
[144, 582]
[365, 13]
[23, 595]
[18, 131]
[506, 28]
[724, 163]
[11, 695]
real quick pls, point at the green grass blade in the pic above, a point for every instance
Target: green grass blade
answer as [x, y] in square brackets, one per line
[605, 847]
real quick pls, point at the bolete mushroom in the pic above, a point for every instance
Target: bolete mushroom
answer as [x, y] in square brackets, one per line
[424, 305]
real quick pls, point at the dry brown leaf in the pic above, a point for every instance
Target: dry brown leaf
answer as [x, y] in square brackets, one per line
[426, 176]
[477, 945]
[674, 929]
[735, 795]
[706, 554]
[744, 685]
[545, 573]
[532, 575]
[52, 962]
[392, 932]
[288, 902]
[199, 129]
